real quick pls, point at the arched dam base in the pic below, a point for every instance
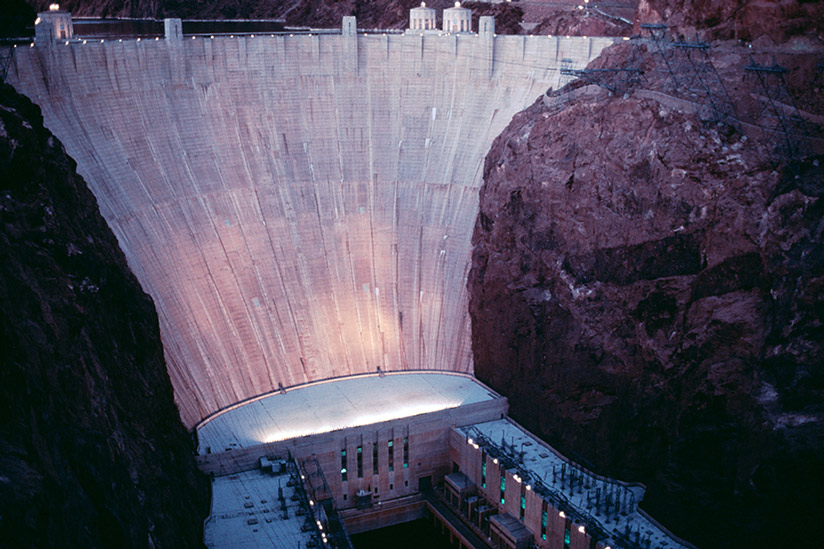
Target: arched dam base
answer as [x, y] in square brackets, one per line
[300, 208]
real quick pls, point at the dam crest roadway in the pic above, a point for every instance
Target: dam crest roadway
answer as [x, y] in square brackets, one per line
[300, 207]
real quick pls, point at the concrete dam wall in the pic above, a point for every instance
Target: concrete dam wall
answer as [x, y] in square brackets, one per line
[299, 207]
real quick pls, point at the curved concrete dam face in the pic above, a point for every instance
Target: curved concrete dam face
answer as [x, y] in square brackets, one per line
[299, 207]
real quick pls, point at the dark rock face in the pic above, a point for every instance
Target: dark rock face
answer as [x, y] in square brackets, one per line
[92, 451]
[15, 16]
[507, 16]
[647, 291]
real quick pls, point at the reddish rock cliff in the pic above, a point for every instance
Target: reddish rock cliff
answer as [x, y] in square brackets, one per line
[748, 20]
[589, 22]
[648, 291]
[92, 451]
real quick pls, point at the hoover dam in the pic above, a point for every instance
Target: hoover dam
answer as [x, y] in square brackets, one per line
[338, 265]
[299, 206]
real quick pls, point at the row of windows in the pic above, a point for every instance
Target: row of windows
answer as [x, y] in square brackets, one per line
[390, 444]
[522, 510]
[422, 24]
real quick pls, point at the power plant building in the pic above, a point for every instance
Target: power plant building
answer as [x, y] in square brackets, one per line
[361, 453]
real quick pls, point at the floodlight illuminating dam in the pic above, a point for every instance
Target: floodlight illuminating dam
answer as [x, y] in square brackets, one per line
[300, 208]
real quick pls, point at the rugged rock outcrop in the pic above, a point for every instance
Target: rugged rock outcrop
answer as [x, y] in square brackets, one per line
[92, 450]
[507, 16]
[745, 20]
[583, 23]
[648, 289]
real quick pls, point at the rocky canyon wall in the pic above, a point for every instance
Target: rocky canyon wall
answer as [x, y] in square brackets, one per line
[776, 21]
[92, 451]
[646, 288]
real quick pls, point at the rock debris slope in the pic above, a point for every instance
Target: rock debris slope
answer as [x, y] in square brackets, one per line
[92, 451]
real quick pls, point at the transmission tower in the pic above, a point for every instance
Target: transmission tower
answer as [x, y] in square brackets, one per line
[567, 72]
[617, 80]
[779, 116]
[6, 55]
[693, 76]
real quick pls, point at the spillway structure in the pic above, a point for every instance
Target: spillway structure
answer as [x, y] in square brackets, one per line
[299, 207]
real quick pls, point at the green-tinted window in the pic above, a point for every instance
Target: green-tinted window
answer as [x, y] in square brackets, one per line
[543, 522]
[503, 487]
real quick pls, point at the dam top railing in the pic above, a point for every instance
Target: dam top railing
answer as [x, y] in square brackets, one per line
[98, 38]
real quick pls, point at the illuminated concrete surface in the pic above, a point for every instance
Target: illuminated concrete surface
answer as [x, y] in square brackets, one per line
[298, 207]
[334, 405]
